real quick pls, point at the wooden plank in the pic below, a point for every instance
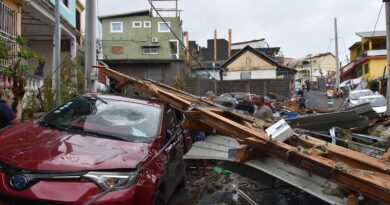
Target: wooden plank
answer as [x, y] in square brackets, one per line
[374, 182]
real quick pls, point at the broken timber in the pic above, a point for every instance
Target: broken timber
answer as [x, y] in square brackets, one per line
[363, 175]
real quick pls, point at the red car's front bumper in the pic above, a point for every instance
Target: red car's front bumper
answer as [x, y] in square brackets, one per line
[72, 192]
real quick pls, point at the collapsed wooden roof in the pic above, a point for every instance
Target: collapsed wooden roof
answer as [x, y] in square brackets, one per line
[353, 170]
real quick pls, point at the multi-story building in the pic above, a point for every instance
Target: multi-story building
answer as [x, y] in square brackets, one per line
[38, 22]
[313, 66]
[10, 26]
[368, 57]
[141, 44]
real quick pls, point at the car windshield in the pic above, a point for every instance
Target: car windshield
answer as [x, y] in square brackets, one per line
[115, 119]
[375, 102]
[356, 95]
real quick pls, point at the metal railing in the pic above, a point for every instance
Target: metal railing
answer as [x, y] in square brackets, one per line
[8, 32]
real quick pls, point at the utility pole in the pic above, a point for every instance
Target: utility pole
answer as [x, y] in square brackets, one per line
[337, 54]
[215, 60]
[90, 51]
[387, 5]
[311, 69]
[57, 53]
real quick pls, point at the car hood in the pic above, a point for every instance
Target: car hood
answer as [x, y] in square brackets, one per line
[380, 110]
[33, 147]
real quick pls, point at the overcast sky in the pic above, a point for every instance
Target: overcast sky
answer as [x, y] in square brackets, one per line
[299, 27]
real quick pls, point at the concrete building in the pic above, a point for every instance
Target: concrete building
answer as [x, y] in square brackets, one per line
[368, 57]
[38, 21]
[249, 63]
[142, 45]
[313, 66]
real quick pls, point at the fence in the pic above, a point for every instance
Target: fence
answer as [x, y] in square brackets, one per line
[199, 86]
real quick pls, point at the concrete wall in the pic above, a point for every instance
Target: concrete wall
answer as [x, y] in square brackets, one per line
[249, 61]
[255, 74]
[132, 39]
[45, 48]
[165, 73]
[376, 68]
[199, 86]
[326, 63]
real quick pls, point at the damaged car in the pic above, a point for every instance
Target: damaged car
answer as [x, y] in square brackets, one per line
[102, 149]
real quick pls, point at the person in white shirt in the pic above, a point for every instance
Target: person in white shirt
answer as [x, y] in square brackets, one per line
[263, 112]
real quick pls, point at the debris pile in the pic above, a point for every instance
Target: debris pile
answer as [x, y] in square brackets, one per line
[318, 156]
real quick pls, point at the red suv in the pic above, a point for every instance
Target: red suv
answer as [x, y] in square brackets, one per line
[101, 149]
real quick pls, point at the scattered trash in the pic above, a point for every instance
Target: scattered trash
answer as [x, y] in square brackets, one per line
[220, 170]
[341, 166]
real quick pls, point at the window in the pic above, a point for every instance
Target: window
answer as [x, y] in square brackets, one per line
[137, 24]
[147, 24]
[66, 3]
[113, 119]
[245, 75]
[8, 32]
[116, 27]
[117, 50]
[162, 27]
[150, 50]
[366, 69]
[174, 45]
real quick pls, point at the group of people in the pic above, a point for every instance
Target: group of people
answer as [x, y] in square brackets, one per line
[10, 113]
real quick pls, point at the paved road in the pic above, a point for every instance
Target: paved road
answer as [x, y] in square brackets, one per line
[318, 100]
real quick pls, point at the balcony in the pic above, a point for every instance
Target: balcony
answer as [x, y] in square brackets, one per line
[376, 52]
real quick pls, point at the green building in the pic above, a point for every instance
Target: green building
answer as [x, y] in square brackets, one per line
[142, 45]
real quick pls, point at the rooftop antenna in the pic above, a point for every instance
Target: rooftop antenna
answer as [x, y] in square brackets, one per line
[168, 10]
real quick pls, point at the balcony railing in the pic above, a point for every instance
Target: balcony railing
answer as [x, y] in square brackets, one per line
[8, 32]
[376, 52]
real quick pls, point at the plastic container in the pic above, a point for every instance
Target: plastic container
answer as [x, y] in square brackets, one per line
[291, 115]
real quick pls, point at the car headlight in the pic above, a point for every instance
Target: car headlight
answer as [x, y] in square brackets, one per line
[107, 180]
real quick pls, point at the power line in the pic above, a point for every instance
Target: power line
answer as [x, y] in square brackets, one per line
[377, 19]
[184, 46]
[330, 44]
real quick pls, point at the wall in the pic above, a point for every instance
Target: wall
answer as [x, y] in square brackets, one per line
[45, 48]
[376, 67]
[164, 73]
[255, 74]
[132, 39]
[199, 86]
[249, 61]
[68, 13]
[325, 63]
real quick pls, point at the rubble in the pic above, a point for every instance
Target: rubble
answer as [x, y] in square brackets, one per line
[376, 186]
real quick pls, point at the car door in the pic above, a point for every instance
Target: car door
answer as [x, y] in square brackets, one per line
[174, 170]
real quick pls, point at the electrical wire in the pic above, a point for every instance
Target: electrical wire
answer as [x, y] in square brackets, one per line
[377, 19]
[185, 48]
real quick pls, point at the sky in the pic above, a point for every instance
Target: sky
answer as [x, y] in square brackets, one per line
[299, 27]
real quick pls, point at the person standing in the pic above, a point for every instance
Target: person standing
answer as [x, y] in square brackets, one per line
[307, 85]
[263, 112]
[7, 115]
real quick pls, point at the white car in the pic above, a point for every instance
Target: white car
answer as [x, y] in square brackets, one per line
[378, 102]
[356, 94]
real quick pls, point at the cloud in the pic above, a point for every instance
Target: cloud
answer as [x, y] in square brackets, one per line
[299, 27]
